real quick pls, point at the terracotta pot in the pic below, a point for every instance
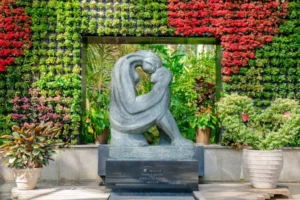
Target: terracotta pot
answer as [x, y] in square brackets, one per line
[262, 168]
[103, 137]
[27, 179]
[203, 136]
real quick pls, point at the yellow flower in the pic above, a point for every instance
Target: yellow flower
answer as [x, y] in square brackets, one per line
[91, 130]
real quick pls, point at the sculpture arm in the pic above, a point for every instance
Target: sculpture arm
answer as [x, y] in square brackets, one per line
[149, 100]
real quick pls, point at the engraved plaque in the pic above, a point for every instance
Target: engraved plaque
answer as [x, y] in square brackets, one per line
[152, 174]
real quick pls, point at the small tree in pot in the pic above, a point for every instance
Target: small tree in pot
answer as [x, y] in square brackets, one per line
[262, 132]
[205, 119]
[27, 150]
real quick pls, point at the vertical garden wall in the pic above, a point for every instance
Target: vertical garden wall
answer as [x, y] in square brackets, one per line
[40, 45]
[275, 70]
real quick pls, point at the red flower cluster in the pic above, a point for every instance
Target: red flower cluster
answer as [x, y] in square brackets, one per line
[242, 25]
[14, 32]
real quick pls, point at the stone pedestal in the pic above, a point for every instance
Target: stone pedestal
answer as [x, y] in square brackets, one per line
[164, 172]
[155, 175]
[162, 152]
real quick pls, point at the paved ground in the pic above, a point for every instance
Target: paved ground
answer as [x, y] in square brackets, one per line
[294, 190]
[5, 188]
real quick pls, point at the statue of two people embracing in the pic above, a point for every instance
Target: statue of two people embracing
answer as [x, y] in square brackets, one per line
[132, 115]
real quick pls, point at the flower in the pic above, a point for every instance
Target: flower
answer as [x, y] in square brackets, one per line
[14, 33]
[245, 117]
[241, 27]
[88, 120]
[286, 114]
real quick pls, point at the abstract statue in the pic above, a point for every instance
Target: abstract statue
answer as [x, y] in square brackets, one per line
[132, 115]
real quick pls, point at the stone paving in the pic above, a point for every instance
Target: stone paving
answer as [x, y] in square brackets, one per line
[5, 188]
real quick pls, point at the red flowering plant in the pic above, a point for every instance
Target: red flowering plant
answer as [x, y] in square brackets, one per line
[15, 32]
[242, 26]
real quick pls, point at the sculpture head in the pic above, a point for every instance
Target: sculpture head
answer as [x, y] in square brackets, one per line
[151, 62]
[160, 75]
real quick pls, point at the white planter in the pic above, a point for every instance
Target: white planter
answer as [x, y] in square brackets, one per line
[262, 168]
[27, 179]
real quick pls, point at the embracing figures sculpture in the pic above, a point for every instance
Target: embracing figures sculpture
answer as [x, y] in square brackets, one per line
[132, 115]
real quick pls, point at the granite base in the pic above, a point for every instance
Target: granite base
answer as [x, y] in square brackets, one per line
[163, 152]
[153, 175]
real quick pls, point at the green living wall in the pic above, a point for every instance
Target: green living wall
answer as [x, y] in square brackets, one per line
[45, 83]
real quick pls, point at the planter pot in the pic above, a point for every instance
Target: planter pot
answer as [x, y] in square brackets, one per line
[27, 179]
[103, 137]
[203, 136]
[263, 168]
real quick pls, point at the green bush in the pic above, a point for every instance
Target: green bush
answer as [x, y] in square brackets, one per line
[264, 129]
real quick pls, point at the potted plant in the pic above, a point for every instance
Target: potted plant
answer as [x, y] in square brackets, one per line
[27, 150]
[96, 120]
[261, 133]
[205, 119]
[96, 123]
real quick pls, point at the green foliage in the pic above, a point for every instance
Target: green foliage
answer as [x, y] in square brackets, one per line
[5, 124]
[205, 116]
[185, 68]
[100, 61]
[29, 146]
[264, 129]
[54, 58]
[130, 18]
[206, 119]
[96, 118]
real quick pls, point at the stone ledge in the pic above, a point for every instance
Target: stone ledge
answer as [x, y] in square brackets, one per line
[152, 153]
[210, 146]
[220, 164]
[81, 146]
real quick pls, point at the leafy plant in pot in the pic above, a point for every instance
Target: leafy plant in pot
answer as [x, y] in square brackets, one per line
[261, 133]
[27, 150]
[205, 119]
[96, 123]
